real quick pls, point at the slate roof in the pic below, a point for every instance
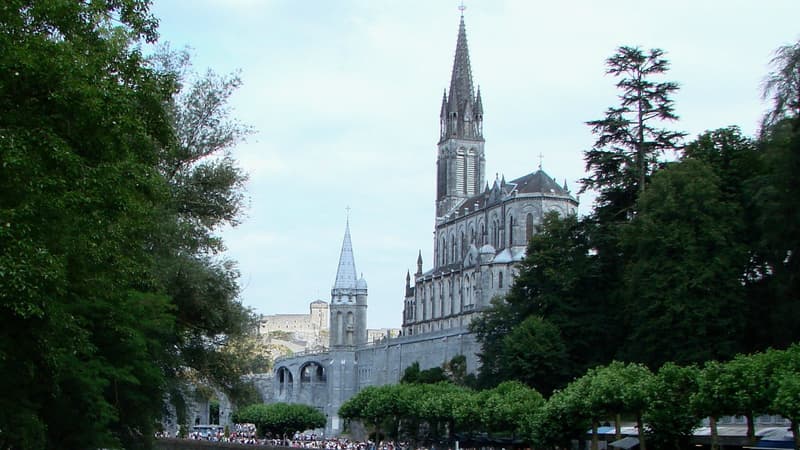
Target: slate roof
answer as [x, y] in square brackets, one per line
[534, 183]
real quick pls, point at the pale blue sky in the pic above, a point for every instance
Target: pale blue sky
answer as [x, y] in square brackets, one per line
[345, 98]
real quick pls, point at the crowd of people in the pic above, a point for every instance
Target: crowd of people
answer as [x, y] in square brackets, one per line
[246, 433]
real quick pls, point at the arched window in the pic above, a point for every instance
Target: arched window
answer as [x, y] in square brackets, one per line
[500, 280]
[529, 226]
[510, 231]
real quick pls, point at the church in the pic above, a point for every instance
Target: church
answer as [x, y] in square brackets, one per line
[481, 232]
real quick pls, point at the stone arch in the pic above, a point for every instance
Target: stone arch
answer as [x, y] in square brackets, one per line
[312, 372]
[285, 381]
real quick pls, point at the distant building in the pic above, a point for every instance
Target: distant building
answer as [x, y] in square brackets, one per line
[481, 232]
[305, 331]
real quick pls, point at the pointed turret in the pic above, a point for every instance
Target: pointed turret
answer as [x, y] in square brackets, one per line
[346, 273]
[419, 263]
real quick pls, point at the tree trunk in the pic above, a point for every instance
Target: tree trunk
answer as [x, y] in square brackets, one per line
[618, 426]
[640, 426]
[751, 429]
[712, 421]
[796, 434]
[595, 445]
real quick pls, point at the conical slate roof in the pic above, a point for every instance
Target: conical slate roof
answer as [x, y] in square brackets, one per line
[346, 273]
[461, 91]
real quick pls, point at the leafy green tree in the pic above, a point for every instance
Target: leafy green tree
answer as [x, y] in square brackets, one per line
[563, 418]
[83, 126]
[670, 421]
[380, 407]
[280, 419]
[778, 227]
[683, 282]
[108, 280]
[559, 281]
[535, 354]
[505, 409]
[490, 328]
[613, 390]
[738, 164]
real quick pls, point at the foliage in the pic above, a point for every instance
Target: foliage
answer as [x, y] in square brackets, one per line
[80, 135]
[670, 422]
[629, 140]
[506, 408]
[108, 281]
[454, 371]
[559, 283]
[535, 354]
[280, 419]
[683, 283]
[783, 85]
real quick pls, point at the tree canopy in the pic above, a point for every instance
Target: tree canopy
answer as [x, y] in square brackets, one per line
[111, 285]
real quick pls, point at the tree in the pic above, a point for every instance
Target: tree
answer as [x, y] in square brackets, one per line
[629, 141]
[83, 126]
[535, 354]
[683, 282]
[670, 422]
[778, 228]
[505, 409]
[783, 85]
[560, 282]
[108, 283]
[280, 419]
[563, 417]
[214, 338]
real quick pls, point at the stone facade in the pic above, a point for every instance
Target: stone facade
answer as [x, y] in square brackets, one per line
[481, 232]
[309, 330]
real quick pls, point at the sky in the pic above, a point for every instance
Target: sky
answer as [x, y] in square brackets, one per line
[345, 95]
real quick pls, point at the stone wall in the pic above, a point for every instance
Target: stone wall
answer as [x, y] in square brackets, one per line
[385, 363]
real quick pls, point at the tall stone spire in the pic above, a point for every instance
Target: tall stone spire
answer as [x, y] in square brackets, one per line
[461, 91]
[462, 114]
[460, 162]
[346, 273]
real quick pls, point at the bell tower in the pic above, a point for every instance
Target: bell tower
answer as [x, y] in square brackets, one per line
[348, 309]
[460, 164]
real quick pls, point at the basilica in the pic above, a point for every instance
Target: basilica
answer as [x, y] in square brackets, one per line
[481, 232]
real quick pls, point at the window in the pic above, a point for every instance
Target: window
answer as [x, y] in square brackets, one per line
[510, 231]
[529, 226]
[500, 280]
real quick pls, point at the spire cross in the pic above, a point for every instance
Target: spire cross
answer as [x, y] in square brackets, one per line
[347, 209]
[461, 8]
[541, 156]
